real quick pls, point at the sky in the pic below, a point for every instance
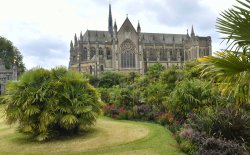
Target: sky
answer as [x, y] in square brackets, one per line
[42, 29]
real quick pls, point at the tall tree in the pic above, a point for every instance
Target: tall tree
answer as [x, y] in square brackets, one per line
[10, 55]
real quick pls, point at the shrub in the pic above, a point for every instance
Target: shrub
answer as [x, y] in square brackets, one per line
[188, 147]
[210, 145]
[165, 118]
[111, 110]
[47, 103]
[217, 146]
[109, 79]
[229, 123]
[188, 96]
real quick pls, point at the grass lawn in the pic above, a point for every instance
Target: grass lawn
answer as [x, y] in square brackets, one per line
[107, 137]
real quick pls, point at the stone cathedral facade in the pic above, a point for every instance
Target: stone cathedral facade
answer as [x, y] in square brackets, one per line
[129, 50]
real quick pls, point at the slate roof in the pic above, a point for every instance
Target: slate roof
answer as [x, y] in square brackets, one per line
[97, 36]
[149, 38]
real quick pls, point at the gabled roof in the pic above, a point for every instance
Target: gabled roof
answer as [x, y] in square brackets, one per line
[127, 23]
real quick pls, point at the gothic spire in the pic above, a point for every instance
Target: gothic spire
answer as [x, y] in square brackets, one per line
[192, 32]
[81, 37]
[71, 44]
[110, 22]
[138, 28]
[75, 39]
[115, 26]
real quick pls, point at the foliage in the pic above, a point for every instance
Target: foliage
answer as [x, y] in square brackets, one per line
[93, 80]
[154, 95]
[228, 123]
[235, 23]
[231, 71]
[209, 145]
[10, 55]
[189, 95]
[109, 79]
[171, 77]
[188, 147]
[51, 103]
[154, 71]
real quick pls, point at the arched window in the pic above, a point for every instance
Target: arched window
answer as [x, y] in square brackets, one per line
[92, 52]
[74, 58]
[101, 68]
[173, 55]
[109, 54]
[100, 52]
[163, 55]
[90, 69]
[182, 55]
[84, 54]
[152, 55]
[128, 60]
[128, 54]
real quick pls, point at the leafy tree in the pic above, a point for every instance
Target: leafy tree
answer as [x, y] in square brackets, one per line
[154, 94]
[232, 68]
[109, 79]
[10, 55]
[189, 95]
[154, 71]
[172, 76]
[47, 103]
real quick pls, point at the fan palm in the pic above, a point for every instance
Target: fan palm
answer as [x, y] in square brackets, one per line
[235, 25]
[231, 69]
[51, 103]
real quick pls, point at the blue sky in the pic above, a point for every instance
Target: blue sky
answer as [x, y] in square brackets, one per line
[42, 29]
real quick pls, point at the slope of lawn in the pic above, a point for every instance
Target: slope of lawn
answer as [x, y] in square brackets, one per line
[107, 137]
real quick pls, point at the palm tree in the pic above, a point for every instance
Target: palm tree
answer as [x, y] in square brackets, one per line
[235, 25]
[47, 104]
[230, 69]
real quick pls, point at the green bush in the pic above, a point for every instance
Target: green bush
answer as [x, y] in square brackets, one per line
[188, 96]
[48, 104]
[109, 79]
[188, 147]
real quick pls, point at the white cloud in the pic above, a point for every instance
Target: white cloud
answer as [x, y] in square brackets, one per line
[42, 29]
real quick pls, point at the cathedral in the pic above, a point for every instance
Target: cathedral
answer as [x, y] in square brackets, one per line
[129, 50]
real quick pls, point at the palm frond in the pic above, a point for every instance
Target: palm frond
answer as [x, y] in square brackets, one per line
[235, 23]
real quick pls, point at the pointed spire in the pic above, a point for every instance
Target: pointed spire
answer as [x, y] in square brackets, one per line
[115, 26]
[71, 44]
[163, 37]
[75, 39]
[192, 32]
[138, 27]
[173, 39]
[81, 37]
[188, 34]
[110, 22]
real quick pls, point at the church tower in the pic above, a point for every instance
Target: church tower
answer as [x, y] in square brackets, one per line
[110, 22]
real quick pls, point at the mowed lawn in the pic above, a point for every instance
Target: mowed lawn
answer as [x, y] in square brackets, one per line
[107, 137]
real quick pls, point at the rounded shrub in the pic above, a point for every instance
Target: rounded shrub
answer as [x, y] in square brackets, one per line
[48, 104]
